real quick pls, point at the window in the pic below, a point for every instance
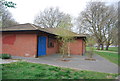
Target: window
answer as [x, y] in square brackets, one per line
[50, 42]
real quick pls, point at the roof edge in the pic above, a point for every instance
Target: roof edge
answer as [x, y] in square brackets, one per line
[33, 26]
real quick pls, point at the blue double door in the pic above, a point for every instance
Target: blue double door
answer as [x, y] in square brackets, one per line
[41, 45]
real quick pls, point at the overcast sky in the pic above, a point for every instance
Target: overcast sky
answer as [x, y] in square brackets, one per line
[26, 10]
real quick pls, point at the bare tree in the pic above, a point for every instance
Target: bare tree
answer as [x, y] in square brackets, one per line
[52, 17]
[95, 19]
[111, 26]
[6, 17]
[115, 36]
[1, 12]
[82, 28]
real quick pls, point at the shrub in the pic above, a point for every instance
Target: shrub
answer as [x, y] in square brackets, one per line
[5, 56]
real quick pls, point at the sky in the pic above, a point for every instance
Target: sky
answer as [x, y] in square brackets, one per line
[26, 10]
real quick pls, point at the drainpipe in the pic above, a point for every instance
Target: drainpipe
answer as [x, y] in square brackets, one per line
[82, 47]
[37, 44]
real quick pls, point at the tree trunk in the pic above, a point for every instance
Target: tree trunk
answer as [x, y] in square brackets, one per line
[63, 55]
[107, 46]
[69, 49]
[98, 47]
[63, 51]
[102, 47]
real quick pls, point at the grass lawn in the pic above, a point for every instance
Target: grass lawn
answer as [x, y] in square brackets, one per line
[114, 49]
[113, 57]
[88, 48]
[26, 70]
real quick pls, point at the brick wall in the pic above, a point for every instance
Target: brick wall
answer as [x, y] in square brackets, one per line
[76, 47]
[19, 44]
[52, 50]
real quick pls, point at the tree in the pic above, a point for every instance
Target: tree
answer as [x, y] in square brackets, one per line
[90, 43]
[81, 27]
[6, 17]
[1, 9]
[95, 19]
[52, 17]
[8, 3]
[65, 38]
[115, 36]
[111, 26]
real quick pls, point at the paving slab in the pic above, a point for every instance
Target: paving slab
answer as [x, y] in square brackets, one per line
[5, 61]
[76, 62]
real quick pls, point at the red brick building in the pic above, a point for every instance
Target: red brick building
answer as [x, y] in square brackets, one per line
[28, 40]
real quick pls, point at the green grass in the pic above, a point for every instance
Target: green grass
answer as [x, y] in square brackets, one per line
[88, 48]
[26, 70]
[113, 57]
[114, 49]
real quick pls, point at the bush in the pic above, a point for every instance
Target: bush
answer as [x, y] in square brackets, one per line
[5, 56]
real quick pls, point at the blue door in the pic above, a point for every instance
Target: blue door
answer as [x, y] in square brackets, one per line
[41, 45]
